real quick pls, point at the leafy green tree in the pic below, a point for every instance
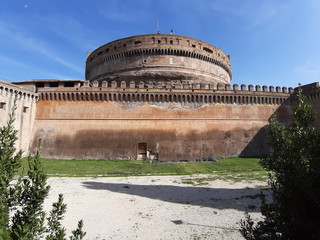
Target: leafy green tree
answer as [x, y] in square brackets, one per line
[294, 166]
[21, 201]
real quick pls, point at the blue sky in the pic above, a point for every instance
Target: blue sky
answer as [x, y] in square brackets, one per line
[271, 42]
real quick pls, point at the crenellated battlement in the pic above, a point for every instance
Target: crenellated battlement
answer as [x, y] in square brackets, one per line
[168, 92]
[9, 90]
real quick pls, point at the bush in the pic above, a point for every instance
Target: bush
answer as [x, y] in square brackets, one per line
[294, 166]
[21, 201]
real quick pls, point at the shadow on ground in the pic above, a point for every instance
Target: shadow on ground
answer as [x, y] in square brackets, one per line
[218, 198]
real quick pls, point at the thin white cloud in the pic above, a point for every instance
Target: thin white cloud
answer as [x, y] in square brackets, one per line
[253, 13]
[45, 74]
[19, 37]
[70, 29]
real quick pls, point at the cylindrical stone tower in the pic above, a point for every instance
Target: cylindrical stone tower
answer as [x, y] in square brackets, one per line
[159, 57]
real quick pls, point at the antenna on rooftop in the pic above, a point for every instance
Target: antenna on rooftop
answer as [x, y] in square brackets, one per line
[158, 23]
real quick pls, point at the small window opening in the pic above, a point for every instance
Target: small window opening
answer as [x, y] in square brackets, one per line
[115, 47]
[2, 105]
[193, 45]
[54, 84]
[40, 84]
[25, 109]
[171, 42]
[99, 53]
[207, 50]
[124, 45]
[69, 84]
[137, 42]
[159, 41]
[107, 50]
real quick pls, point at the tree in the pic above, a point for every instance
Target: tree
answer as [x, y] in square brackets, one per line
[21, 201]
[294, 165]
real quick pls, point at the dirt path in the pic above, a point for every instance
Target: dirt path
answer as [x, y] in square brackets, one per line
[155, 207]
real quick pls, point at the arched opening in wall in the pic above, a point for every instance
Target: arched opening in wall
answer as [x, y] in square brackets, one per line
[205, 99]
[214, 99]
[210, 99]
[156, 98]
[218, 100]
[170, 98]
[201, 99]
[207, 50]
[197, 98]
[138, 98]
[96, 97]
[105, 98]
[147, 98]
[133, 97]
[166, 98]
[110, 97]
[227, 99]
[174, 98]
[161, 100]
[239, 100]
[222, 99]
[143, 98]
[192, 98]
[188, 98]
[114, 97]
[183, 98]
[142, 151]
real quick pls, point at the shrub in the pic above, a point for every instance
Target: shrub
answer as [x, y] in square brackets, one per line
[294, 166]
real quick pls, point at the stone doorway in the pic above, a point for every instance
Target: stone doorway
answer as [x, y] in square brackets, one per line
[142, 151]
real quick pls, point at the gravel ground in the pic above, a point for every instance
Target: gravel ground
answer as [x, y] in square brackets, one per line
[155, 207]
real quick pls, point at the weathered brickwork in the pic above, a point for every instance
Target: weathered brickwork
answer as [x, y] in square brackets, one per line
[173, 123]
[159, 57]
[157, 96]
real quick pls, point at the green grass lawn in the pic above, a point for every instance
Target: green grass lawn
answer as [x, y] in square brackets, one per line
[230, 168]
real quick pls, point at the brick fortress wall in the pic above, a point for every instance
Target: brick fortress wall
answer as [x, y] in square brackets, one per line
[170, 122]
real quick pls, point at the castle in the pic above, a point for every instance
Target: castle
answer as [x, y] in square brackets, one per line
[162, 97]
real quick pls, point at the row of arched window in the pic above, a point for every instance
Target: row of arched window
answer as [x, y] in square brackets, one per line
[165, 98]
[162, 51]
